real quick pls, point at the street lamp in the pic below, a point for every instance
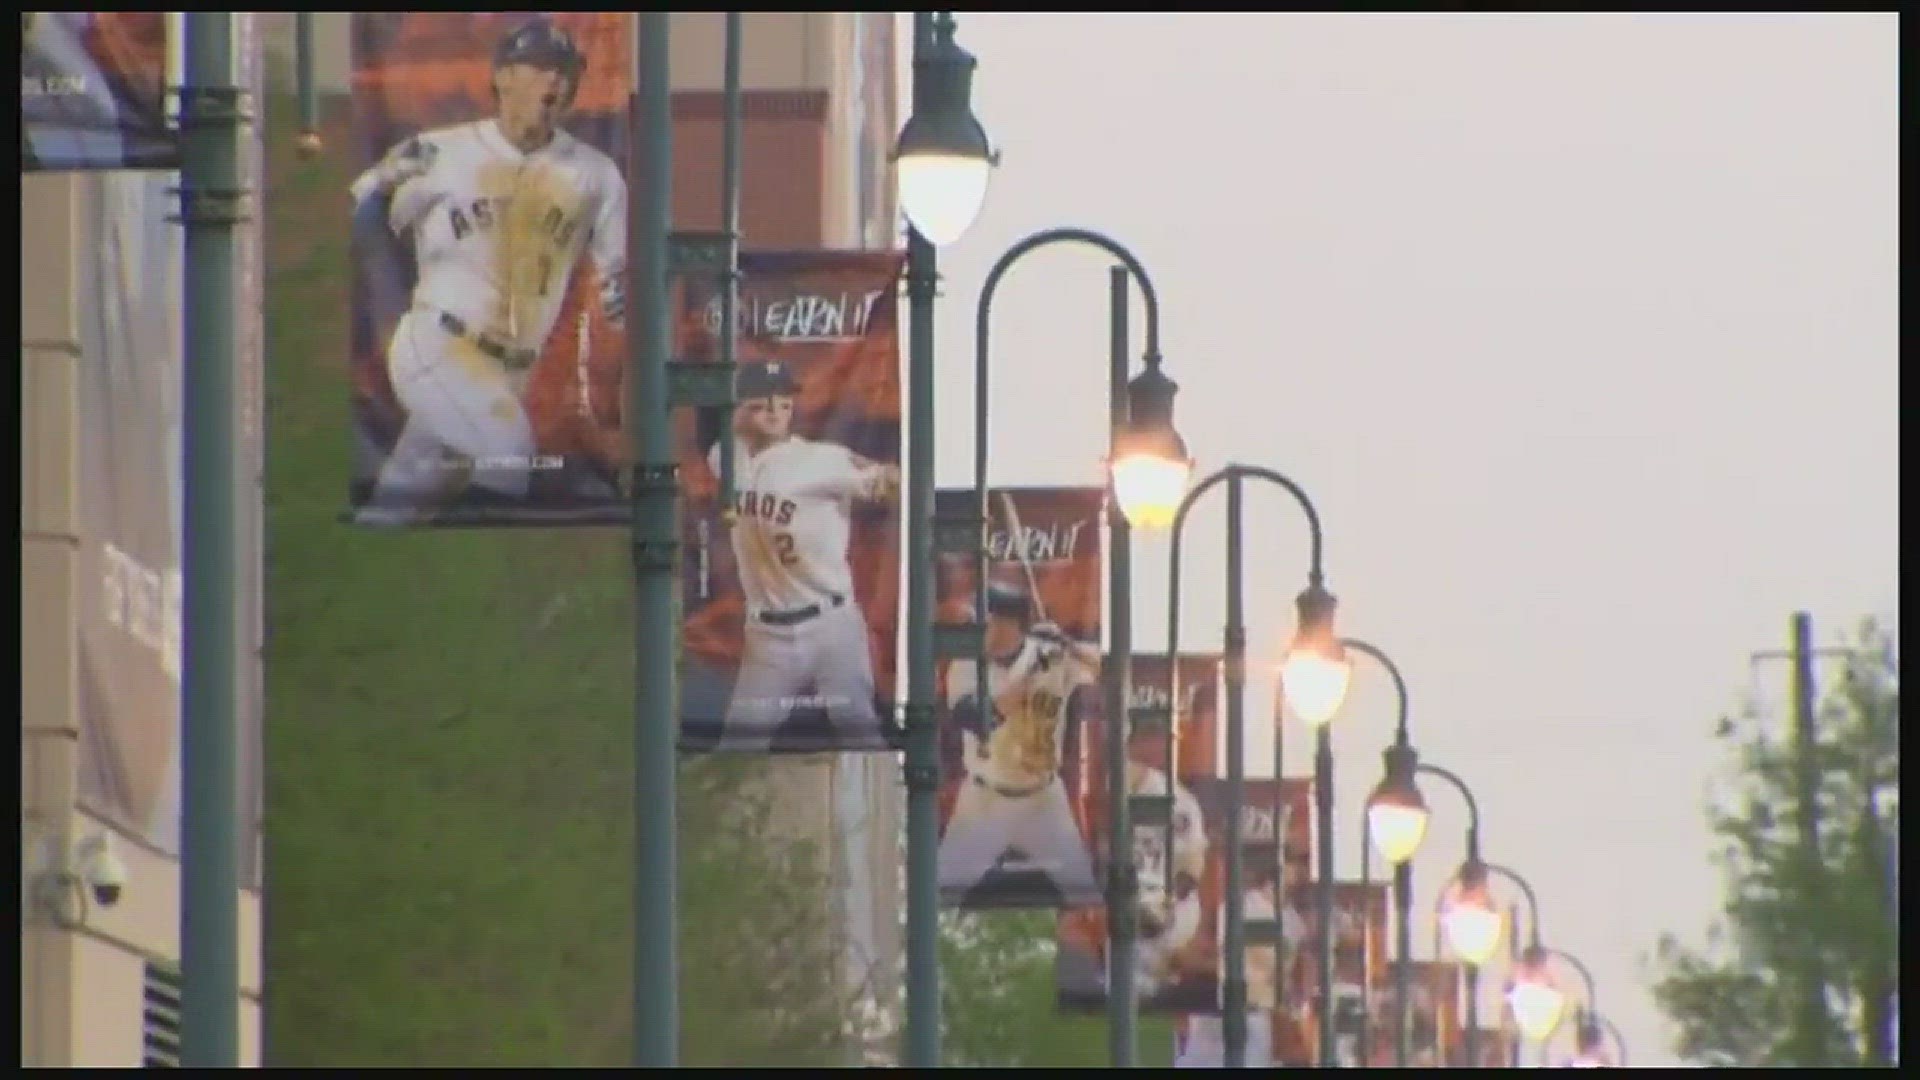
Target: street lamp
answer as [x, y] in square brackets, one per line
[1536, 999]
[942, 158]
[1234, 982]
[932, 161]
[1147, 488]
[1316, 672]
[1592, 1032]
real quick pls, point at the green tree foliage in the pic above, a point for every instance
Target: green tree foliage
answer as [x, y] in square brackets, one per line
[449, 804]
[997, 999]
[1735, 1001]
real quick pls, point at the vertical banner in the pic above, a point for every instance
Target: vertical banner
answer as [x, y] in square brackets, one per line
[1180, 868]
[1013, 823]
[1275, 820]
[93, 91]
[1359, 921]
[489, 241]
[130, 265]
[1434, 1014]
[792, 593]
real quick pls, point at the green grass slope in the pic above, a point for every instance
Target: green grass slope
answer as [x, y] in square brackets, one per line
[449, 753]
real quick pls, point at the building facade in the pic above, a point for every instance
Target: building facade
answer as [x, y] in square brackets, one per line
[99, 982]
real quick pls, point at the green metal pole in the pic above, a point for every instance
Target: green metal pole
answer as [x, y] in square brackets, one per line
[730, 225]
[923, 750]
[1122, 877]
[1323, 892]
[213, 111]
[1234, 999]
[655, 541]
[303, 73]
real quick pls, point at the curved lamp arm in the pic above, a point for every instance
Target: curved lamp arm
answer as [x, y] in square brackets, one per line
[1586, 975]
[1533, 900]
[1399, 687]
[1473, 806]
[1619, 1040]
[1314, 574]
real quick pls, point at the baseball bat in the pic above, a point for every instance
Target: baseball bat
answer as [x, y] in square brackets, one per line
[1017, 536]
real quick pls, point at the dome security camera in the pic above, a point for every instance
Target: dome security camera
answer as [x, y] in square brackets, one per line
[101, 869]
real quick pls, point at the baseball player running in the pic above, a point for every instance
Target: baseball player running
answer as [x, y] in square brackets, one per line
[494, 215]
[805, 637]
[1012, 810]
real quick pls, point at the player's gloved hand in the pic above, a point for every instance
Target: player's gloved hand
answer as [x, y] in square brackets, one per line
[613, 298]
[404, 162]
[882, 482]
[1049, 644]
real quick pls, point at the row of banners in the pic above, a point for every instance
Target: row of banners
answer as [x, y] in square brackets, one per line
[488, 359]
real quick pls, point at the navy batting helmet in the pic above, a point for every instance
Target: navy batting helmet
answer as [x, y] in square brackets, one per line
[1009, 602]
[764, 379]
[543, 45]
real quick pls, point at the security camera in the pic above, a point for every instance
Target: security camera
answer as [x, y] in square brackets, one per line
[102, 869]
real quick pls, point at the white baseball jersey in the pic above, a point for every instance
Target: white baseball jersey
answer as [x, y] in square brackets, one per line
[1022, 749]
[1189, 834]
[496, 232]
[790, 537]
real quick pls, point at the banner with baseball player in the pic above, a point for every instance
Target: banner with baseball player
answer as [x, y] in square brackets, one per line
[1013, 822]
[1178, 863]
[1435, 1015]
[94, 90]
[1359, 956]
[489, 261]
[791, 591]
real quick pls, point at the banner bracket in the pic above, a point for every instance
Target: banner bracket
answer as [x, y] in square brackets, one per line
[956, 533]
[958, 641]
[1150, 811]
[698, 253]
[700, 384]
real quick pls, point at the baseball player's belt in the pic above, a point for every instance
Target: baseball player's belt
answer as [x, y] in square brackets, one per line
[1008, 790]
[796, 616]
[515, 358]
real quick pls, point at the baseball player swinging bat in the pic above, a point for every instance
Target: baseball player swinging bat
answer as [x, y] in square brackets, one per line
[1012, 811]
[804, 629]
[494, 216]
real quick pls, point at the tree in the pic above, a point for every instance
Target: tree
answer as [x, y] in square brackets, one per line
[1734, 1001]
[998, 999]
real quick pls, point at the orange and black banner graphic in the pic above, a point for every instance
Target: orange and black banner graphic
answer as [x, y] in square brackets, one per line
[93, 91]
[1359, 957]
[792, 590]
[489, 248]
[1013, 821]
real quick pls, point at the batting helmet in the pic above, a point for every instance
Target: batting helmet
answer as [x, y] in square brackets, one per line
[542, 45]
[764, 379]
[1009, 601]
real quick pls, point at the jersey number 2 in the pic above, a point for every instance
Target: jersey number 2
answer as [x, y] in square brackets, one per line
[783, 547]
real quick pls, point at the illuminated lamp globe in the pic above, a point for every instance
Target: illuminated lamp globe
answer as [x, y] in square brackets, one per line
[1316, 672]
[1396, 820]
[1150, 466]
[1537, 1005]
[1471, 921]
[942, 160]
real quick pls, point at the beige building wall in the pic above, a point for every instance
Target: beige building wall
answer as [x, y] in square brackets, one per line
[81, 986]
[81, 989]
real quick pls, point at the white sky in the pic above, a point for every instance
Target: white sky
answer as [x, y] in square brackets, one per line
[1579, 329]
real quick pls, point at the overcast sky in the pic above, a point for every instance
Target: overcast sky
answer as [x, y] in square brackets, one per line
[1579, 329]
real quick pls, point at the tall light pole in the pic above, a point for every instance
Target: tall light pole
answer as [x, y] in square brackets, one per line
[941, 164]
[1147, 473]
[1396, 819]
[1234, 962]
[655, 542]
[214, 111]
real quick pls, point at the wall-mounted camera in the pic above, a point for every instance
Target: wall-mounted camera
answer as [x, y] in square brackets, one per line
[69, 881]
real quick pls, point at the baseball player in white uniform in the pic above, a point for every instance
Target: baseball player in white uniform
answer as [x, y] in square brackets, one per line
[805, 640]
[496, 214]
[1169, 904]
[1012, 810]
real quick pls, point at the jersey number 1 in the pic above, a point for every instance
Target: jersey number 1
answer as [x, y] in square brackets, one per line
[544, 267]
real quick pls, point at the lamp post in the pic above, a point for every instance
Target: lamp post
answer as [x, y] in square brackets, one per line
[214, 112]
[1148, 467]
[1234, 988]
[1533, 928]
[1395, 823]
[1536, 999]
[941, 163]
